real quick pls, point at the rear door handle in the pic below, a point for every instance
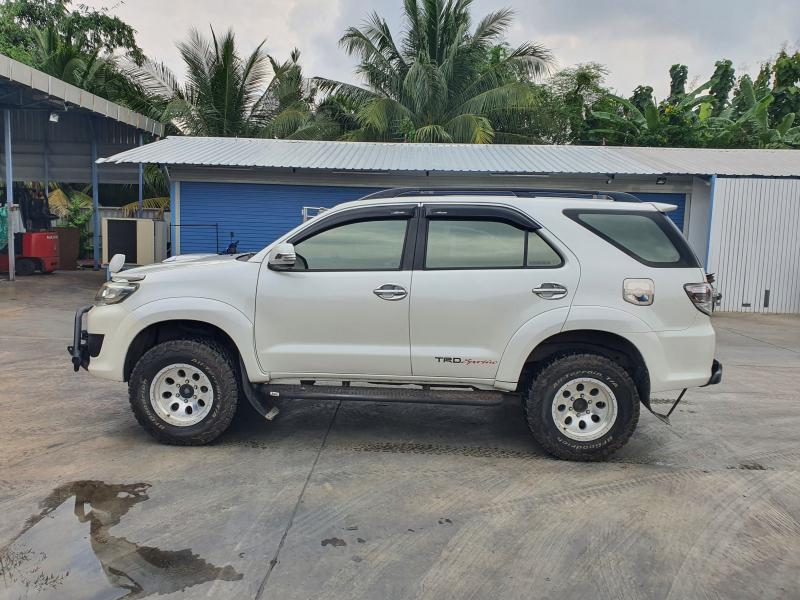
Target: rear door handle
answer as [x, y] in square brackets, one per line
[550, 291]
[390, 291]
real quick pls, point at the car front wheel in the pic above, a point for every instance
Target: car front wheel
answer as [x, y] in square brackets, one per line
[582, 407]
[184, 391]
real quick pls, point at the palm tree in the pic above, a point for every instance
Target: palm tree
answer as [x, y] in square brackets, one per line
[291, 104]
[443, 82]
[70, 57]
[225, 94]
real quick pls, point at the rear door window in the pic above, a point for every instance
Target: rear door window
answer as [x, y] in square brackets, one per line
[649, 237]
[485, 244]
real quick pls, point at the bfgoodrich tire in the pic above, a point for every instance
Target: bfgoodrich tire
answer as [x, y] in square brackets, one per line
[582, 407]
[184, 392]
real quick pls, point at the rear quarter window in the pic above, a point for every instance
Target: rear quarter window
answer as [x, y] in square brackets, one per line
[649, 237]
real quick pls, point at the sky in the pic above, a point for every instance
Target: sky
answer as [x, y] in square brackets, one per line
[637, 40]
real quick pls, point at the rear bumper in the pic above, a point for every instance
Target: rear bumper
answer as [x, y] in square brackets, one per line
[678, 359]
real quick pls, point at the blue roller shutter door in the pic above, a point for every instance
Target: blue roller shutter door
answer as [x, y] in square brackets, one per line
[213, 214]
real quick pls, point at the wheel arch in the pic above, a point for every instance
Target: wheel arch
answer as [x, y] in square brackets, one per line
[611, 345]
[172, 329]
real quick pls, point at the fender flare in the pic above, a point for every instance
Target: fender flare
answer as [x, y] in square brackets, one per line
[205, 310]
[545, 325]
[524, 340]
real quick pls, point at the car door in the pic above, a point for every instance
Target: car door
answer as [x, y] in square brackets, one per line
[480, 273]
[343, 307]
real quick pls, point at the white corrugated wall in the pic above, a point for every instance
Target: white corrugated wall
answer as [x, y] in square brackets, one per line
[754, 245]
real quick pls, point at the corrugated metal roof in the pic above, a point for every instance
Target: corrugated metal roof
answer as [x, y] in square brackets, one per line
[461, 158]
[21, 74]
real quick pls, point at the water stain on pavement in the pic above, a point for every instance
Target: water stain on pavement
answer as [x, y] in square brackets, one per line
[67, 550]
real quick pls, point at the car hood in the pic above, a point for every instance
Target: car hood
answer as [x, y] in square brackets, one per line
[183, 261]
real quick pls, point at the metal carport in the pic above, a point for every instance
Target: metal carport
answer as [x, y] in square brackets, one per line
[54, 131]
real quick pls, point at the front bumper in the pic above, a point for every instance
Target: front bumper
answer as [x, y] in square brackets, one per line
[85, 345]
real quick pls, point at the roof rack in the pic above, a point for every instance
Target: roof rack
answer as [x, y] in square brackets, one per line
[516, 192]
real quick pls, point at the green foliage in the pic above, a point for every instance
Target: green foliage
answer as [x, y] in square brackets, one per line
[678, 74]
[561, 107]
[226, 94]
[708, 116]
[785, 89]
[100, 33]
[443, 81]
[748, 124]
[722, 83]
[642, 97]
[445, 78]
[639, 121]
[75, 208]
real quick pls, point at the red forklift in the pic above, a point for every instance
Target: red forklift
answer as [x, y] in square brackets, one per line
[36, 249]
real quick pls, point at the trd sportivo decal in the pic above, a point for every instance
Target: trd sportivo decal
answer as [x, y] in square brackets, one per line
[463, 361]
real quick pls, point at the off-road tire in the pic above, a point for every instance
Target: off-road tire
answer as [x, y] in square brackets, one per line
[538, 398]
[209, 356]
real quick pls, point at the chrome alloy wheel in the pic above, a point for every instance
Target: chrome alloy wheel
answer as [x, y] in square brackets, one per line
[181, 395]
[584, 409]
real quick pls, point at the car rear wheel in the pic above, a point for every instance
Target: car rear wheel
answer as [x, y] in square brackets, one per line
[582, 407]
[184, 392]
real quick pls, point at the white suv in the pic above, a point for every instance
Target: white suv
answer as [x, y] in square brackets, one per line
[580, 304]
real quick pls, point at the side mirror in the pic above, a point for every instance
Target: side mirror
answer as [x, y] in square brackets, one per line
[116, 263]
[282, 257]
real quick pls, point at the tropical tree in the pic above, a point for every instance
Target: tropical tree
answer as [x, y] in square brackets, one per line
[444, 81]
[723, 80]
[639, 121]
[71, 57]
[678, 74]
[786, 88]
[562, 105]
[101, 33]
[748, 122]
[225, 93]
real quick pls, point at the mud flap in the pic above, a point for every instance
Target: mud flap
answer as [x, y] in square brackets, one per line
[665, 418]
[253, 397]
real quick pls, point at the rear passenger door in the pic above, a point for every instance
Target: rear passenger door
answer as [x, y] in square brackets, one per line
[480, 273]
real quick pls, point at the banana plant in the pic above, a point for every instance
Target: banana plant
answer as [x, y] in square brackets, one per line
[628, 124]
[752, 123]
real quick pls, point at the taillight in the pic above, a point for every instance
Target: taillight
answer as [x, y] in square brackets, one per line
[701, 295]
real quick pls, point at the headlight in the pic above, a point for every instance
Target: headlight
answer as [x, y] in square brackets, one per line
[113, 292]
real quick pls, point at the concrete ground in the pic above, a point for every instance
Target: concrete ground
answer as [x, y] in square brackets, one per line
[390, 501]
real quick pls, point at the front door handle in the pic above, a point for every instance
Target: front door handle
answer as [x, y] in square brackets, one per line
[550, 291]
[390, 291]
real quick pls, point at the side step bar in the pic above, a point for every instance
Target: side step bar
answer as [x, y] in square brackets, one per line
[382, 394]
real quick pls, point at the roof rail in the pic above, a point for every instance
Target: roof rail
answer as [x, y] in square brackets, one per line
[516, 192]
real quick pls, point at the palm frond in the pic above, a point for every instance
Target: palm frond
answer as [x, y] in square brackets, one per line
[132, 208]
[470, 129]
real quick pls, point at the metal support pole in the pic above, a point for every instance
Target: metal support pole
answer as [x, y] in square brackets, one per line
[141, 181]
[95, 207]
[12, 266]
[46, 162]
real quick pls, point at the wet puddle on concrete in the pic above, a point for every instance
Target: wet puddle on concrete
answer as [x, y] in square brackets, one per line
[68, 550]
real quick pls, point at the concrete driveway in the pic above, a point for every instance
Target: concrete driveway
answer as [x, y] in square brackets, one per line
[390, 501]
